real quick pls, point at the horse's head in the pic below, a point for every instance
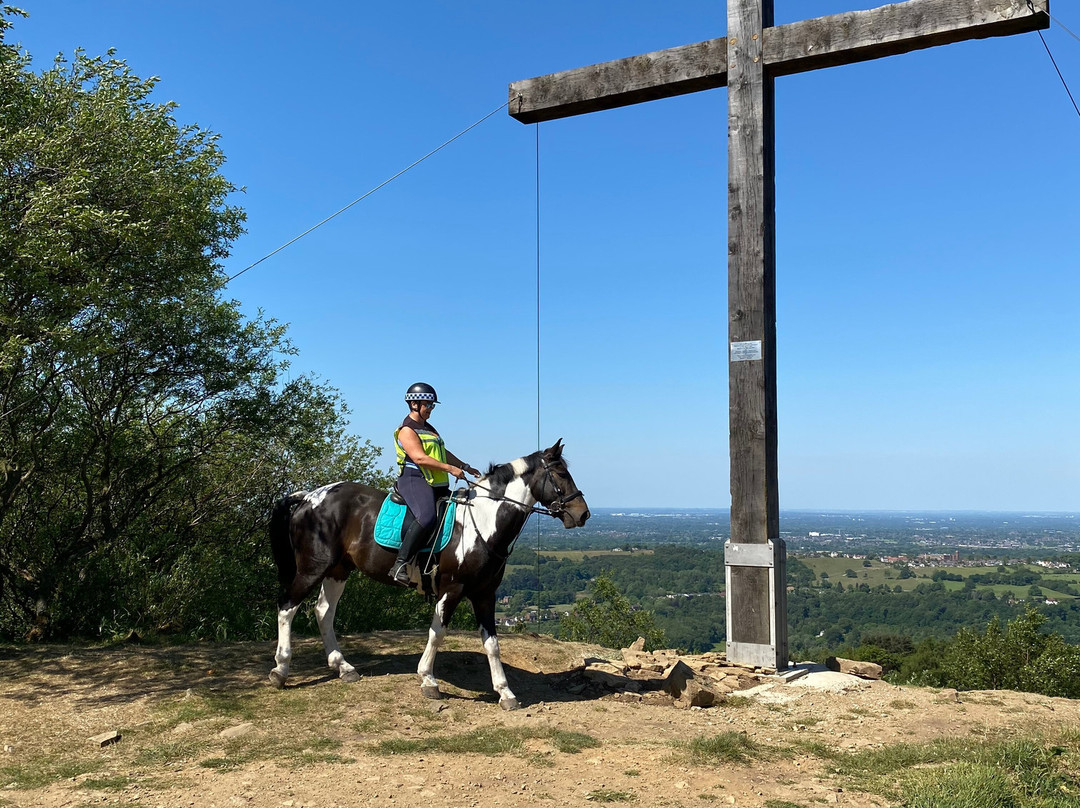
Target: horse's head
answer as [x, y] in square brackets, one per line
[556, 490]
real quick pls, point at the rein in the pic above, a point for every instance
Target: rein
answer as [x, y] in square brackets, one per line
[557, 506]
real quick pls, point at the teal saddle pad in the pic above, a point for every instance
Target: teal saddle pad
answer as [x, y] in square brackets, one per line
[391, 516]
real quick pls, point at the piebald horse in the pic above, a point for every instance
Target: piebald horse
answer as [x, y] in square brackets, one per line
[319, 537]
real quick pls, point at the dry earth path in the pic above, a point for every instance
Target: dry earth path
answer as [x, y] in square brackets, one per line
[199, 727]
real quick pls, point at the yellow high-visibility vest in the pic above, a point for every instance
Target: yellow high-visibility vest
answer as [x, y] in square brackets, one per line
[433, 447]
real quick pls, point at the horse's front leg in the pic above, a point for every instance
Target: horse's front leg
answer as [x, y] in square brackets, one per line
[444, 610]
[485, 615]
[325, 610]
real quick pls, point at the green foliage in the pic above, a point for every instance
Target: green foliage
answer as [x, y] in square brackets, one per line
[607, 618]
[1021, 657]
[146, 425]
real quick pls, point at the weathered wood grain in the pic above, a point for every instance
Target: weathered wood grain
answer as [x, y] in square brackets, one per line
[751, 277]
[858, 36]
[661, 74]
[755, 503]
[793, 48]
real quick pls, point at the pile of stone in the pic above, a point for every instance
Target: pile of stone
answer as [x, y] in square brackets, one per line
[660, 676]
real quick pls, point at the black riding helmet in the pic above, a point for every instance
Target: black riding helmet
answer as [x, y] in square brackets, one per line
[422, 392]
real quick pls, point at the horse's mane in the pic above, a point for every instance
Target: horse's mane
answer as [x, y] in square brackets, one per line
[503, 473]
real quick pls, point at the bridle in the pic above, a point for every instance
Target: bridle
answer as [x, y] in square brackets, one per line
[558, 505]
[556, 508]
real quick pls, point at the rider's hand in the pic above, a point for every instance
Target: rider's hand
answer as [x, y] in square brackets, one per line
[472, 471]
[457, 472]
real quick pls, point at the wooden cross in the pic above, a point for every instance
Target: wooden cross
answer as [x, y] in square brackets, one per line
[747, 60]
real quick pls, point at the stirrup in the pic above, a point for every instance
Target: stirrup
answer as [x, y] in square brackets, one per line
[400, 573]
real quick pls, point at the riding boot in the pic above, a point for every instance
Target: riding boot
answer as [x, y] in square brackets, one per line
[411, 543]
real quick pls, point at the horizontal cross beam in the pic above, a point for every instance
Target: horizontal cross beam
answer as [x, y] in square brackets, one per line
[797, 47]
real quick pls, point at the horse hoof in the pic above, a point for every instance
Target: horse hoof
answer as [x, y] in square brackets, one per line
[350, 676]
[276, 680]
[430, 692]
[509, 704]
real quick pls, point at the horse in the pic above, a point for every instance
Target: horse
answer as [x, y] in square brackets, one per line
[319, 537]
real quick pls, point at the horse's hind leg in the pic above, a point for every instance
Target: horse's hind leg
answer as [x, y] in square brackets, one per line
[485, 615]
[325, 610]
[288, 603]
[283, 655]
[444, 610]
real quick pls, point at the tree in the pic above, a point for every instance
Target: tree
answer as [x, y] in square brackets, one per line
[607, 618]
[144, 425]
[1021, 657]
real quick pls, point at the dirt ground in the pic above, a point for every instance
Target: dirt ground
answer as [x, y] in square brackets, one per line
[199, 727]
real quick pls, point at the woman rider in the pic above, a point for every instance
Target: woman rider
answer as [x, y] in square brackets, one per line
[425, 466]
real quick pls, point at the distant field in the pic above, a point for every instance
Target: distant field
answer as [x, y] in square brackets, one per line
[878, 573]
[577, 555]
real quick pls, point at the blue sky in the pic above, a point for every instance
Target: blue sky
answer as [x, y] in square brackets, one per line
[927, 219]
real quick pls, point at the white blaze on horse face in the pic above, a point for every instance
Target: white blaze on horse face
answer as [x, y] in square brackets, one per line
[315, 498]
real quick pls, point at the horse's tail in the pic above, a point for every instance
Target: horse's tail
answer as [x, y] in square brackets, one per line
[281, 539]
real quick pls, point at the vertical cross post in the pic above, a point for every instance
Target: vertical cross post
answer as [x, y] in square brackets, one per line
[754, 555]
[747, 60]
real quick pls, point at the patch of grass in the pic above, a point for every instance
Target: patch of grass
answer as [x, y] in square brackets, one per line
[807, 720]
[608, 795]
[571, 742]
[965, 785]
[111, 783]
[736, 701]
[197, 705]
[45, 770]
[164, 754]
[632, 773]
[708, 797]
[727, 747]
[902, 704]
[965, 772]
[495, 741]
[781, 804]
[861, 711]
[367, 726]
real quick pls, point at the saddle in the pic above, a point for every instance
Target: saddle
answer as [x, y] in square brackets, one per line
[395, 518]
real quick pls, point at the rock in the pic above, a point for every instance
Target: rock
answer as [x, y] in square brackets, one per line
[610, 680]
[867, 670]
[237, 731]
[949, 696]
[676, 679]
[638, 644]
[606, 667]
[106, 738]
[696, 694]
